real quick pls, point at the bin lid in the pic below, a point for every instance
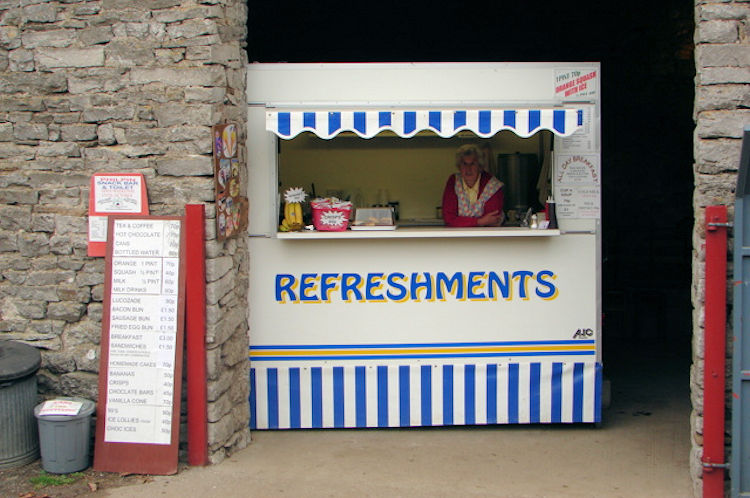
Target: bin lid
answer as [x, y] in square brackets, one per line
[18, 360]
[86, 408]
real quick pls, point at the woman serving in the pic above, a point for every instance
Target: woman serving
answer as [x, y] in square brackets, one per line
[472, 197]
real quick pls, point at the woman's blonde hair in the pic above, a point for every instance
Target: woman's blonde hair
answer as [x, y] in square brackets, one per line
[470, 150]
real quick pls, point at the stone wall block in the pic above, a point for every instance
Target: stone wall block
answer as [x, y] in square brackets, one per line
[6, 132]
[719, 31]
[35, 83]
[17, 152]
[21, 103]
[234, 350]
[8, 242]
[70, 291]
[94, 35]
[722, 55]
[124, 112]
[106, 134]
[221, 430]
[218, 267]
[60, 197]
[722, 124]
[80, 384]
[67, 311]
[220, 407]
[18, 196]
[86, 358]
[213, 363]
[717, 97]
[216, 388]
[21, 60]
[10, 37]
[70, 224]
[15, 217]
[95, 311]
[33, 310]
[85, 333]
[724, 153]
[193, 165]
[129, 53]
[58, 149]
[52, 58]
[176, 114]
[42, 13]
[30, 131]
[192, 28]
[226, 326]
[723, 11]
[152, 5]
[49, 277]
[38, 293]
[205, 95]
[58, 362]
[184, 190]
[32, 245]
[58, 38]
[176, 15]
[65, 245]
[188, 133]
[78, 132]
[721, 75]
[219, 288]
[206, 76]
[192, 42]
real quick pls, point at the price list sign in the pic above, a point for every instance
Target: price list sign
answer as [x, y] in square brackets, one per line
[141, 360]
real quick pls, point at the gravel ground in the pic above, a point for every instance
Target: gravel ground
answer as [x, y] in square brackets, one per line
[18, 482]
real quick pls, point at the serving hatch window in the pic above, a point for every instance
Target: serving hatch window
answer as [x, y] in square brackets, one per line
[403, 157]
[408, 173]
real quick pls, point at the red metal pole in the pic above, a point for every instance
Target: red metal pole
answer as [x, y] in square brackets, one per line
[715, 352]
[195, 326]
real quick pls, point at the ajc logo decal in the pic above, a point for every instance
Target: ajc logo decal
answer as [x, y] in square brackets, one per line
[417, 286]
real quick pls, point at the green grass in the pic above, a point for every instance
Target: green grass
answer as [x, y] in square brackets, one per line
[44, 479]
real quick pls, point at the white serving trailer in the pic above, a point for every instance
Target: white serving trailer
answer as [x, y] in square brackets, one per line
[425, 324]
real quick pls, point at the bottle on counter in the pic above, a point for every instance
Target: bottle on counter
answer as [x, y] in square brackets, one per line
[550, 212]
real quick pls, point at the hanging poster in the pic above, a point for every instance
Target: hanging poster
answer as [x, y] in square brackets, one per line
[231, 208]
[582, 141]
[576, 85]
[141, 346]
[113, 194]
[577, 186]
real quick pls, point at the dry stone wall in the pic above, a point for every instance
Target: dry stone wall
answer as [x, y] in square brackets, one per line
[722, 96]
[116, 86]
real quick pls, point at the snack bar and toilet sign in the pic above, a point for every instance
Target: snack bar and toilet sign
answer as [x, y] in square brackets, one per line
[141, 360]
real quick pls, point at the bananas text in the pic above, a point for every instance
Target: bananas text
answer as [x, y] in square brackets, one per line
[417, 286]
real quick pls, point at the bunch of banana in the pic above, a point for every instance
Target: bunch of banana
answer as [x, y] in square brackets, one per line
[293, 199]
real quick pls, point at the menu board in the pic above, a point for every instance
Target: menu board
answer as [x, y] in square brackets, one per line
[141, 359]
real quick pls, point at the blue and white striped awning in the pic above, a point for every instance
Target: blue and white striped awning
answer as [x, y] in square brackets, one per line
[407, 123]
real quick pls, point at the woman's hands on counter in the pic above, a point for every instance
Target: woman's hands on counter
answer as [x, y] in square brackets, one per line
[491, 219]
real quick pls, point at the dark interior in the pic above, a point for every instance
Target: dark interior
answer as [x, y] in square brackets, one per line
[646, 52]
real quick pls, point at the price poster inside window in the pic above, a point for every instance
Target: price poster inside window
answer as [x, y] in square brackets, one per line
[577, 186]
[113, 194]
[137, 427]
[231, 208]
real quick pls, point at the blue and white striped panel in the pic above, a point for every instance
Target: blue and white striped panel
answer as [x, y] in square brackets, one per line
[445, 123]
[424, 395]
